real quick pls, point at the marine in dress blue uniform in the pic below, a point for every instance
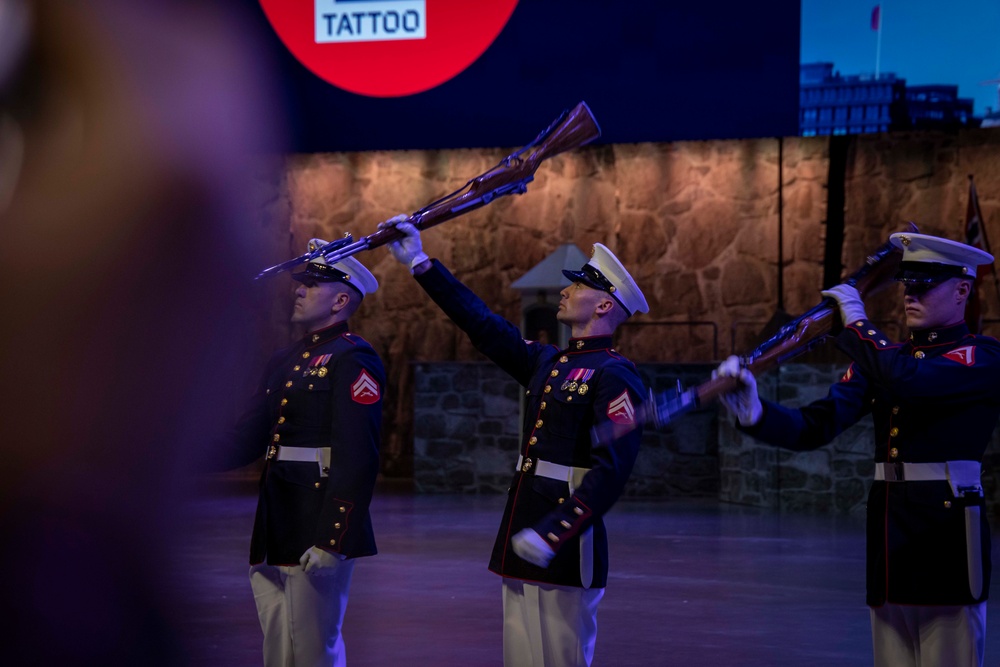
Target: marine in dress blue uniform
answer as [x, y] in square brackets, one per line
[552, 547]
[316, 418]
[934, 400]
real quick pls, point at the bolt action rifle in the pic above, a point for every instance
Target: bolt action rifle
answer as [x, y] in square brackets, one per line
[572, 129]
[798, 336]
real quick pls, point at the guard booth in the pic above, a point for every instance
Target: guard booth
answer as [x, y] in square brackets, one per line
[540, 288]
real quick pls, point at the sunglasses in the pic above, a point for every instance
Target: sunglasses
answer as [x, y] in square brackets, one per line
[920, 289]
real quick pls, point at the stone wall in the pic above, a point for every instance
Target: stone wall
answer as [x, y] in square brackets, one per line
[466, 438]
[697, 223]
[467, 434]
[832, 478]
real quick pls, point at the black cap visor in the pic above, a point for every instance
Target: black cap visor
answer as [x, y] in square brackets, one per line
[322, 273]
[928, 272]
[594, 279]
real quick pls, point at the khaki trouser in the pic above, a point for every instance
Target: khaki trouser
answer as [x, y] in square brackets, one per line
[301, 614]
[929, 636]
[548, 626]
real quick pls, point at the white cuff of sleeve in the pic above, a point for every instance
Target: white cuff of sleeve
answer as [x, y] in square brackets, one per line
[421, 257]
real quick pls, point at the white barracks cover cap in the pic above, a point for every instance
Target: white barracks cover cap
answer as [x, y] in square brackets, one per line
[348, 270]
[929, 259]
[604, 272]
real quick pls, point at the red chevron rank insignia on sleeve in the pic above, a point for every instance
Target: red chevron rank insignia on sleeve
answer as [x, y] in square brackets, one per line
[620, 410]
[365, 389]
[849, 374]
[963, 355]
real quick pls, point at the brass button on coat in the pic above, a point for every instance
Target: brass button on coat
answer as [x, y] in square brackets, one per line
[893, 432]
[563, 359]
[538, 424]
[919, 354]
[532, 440]
[893, 453]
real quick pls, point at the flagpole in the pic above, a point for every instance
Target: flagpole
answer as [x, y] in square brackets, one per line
[982, 231]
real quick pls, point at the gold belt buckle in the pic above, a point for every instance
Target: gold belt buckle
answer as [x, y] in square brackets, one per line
[272, 452]
[526, 467]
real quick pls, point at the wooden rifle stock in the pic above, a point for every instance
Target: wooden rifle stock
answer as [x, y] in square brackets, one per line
[572, 129]
[793, 339]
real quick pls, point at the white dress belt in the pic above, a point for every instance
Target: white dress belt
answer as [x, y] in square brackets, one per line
[569, 474]
[318, 455]
[957, 473]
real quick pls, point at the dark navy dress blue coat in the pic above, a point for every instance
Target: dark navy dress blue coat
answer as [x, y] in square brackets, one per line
[557, 421]
[934, 398]
[324, 391]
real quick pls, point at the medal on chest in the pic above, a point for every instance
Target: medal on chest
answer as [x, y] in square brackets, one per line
[576, 381]
[317, 366]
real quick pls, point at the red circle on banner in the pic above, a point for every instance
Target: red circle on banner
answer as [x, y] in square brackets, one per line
[457, 32]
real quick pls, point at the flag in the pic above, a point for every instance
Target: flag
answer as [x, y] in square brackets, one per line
[877, 17]
[975, 235]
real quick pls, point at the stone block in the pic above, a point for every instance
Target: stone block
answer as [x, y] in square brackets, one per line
[430, 426]
[441, 452]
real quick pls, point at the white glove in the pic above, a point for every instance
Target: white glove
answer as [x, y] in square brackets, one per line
[408, 250]
[319, 562]
[852, 308]
[530, 546]
[743, 401]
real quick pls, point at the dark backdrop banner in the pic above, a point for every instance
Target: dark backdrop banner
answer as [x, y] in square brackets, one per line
[650, 70]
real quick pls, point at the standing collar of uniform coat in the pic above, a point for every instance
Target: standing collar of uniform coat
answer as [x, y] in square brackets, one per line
[939, 335]
[321, 336]
[589, 343]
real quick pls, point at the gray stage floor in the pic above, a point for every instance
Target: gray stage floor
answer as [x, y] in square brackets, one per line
[692, 583]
